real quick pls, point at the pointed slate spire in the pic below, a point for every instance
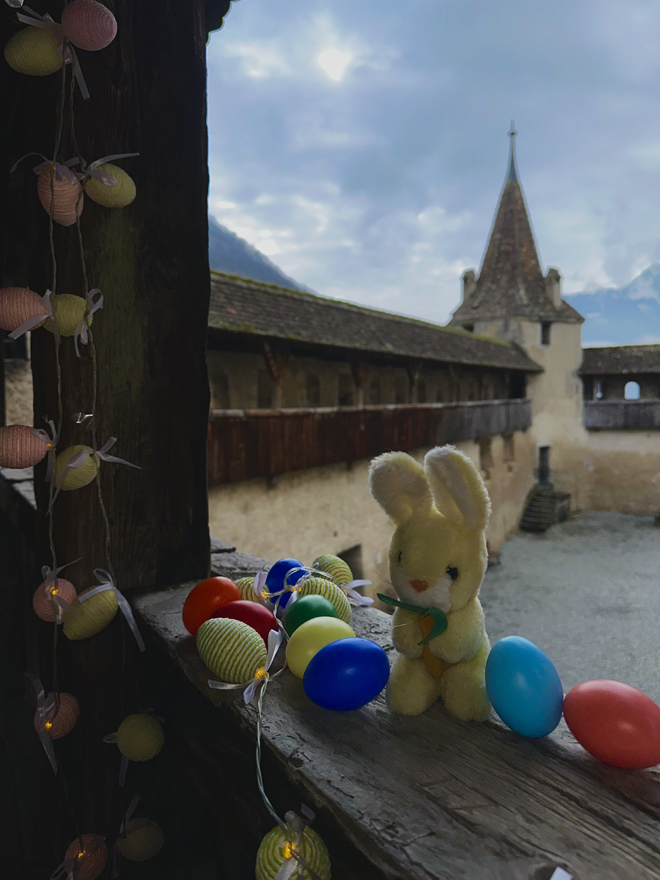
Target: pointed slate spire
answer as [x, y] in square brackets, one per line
[513, 174]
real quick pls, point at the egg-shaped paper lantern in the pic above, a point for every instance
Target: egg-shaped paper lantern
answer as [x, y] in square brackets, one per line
[64, 720]
[69, 311]
[18, 305]
[259, 618]
[91, 616]
[20, 447]
[205, 598]
[275, 849]
[65, 197]
[44, 606]
[310, 637]
[140, 737]
[119, 195]
[231, 649]
[89, 25]
[615, 723]
[317, 586]
[246, 589]
[143, 839]
[277, 574]
[524, 687]
[338, 570]
[34, 51]
[306, 609]
[346, 674]
[88, 862]
[77, 477]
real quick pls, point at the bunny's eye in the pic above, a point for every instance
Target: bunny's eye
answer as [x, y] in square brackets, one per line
[452, 572]
[400, 555]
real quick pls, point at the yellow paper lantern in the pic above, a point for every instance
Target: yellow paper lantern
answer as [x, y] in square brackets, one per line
[18, 305]
[69, 311]
[231, 649]
[246, 589]
[310, 637]
[20, 447]
[275, 849]
[140, 737]
[44, 606]
[338, 570]
[143, 840]
[329, 590]
[121, 194]
[34, 51]
[90, 617]
[77, 477]
[64, 720]
[87, 863]
[64, 197]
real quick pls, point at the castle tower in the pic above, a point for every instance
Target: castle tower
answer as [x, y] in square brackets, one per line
[512, 300]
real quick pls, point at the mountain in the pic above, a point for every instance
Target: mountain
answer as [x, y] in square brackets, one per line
[229, 253]
[626, 315]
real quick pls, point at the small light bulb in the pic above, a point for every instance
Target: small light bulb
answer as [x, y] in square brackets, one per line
[288, 851]
[54, 591]
[48, 725]
[261, 673]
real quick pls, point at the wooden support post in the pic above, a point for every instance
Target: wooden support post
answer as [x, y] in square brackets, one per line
[360, 371]
[277, 363]
[414, 369]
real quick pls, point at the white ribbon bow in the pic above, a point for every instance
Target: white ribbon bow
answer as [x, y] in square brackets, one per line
[82, 330]
[36, 319]
[354, 597]
[102, 176]
[107, 583]
[68, 53]
[294, 864]
[261, 676]
[81, 457]
[45, 711]
[50, 585]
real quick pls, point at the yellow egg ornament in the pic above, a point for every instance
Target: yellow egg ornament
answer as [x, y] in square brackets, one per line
[118, 195]
[35, 52]
[310, 637]
[231, 649]
[69, 312]
[140, 737]
[90, 617]
[319, 586]
[277, 847]
[77, 477]
[142, 839]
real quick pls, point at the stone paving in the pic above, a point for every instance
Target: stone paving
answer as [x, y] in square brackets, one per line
[588, 593]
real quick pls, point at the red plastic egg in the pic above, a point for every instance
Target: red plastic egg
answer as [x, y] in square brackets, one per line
[254, 615]
[204, 599]
[615, 723]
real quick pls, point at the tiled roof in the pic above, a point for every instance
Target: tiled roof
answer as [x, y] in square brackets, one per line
[620, 359]
[511, 283]
[242, 306]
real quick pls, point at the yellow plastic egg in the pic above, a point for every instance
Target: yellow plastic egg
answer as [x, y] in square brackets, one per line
[310, 637]
[77, 477]
[121, 194]
[329, 590]
[68, 311]
[140, 737]
[34, 51]
[91, 616]
[231, 649]
[275, 849]
[143, 840]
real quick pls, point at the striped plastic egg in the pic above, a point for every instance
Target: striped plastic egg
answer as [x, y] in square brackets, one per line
[90, 617]
[69, 311]
[77, 477]
[231, 649]
[87, 863]
[273, 852]
[64, 197]
[44, 607]
[121, 194]
[338, 570]
[64, 720]
[34, 51]
[20, 447]
[89, 25]
[18, 305]
[330, 591]
[246, 588]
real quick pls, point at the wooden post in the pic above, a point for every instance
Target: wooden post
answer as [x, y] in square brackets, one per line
[360, 371]
[277, 364]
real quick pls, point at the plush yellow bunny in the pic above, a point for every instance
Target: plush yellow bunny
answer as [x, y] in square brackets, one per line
[437, 562]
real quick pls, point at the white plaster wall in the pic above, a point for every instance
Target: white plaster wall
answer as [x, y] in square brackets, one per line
[623, 471]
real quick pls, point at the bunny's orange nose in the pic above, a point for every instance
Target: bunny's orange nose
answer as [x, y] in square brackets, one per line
[419, 586]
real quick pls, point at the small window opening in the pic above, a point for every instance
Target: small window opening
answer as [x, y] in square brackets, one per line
[401, 390]
[345, 397]
[631, 391]
[545, 332]
[544, 464]
[313, 390]
[375, 392]
[353, 558]
[469, 328]
[598, 390]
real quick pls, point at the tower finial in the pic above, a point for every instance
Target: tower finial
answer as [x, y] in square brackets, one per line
[512, 174]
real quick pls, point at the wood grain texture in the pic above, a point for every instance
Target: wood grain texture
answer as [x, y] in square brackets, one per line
[432, 797]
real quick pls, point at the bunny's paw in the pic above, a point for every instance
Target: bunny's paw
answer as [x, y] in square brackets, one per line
[411, 690]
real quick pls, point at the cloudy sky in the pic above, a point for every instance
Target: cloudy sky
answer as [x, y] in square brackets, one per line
[362, 145]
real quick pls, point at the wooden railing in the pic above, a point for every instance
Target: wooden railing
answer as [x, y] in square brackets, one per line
[244, 444]
[635, 415]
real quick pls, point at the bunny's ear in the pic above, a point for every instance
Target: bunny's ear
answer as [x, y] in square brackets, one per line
[458, 491]
[400, 486]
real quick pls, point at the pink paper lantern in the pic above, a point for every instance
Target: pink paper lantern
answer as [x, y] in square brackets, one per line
[89, 25]
[66, 197]
[44, 607]
[18, 305]
[64, 720]
[87, 863]
[20, 447]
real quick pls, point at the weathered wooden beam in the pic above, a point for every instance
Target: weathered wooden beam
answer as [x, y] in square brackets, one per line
[632, 415]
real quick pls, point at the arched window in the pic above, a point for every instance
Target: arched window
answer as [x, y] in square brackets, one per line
[631, 391]
[375, 392]
[345, 397]
[313, 389]
[400, 390]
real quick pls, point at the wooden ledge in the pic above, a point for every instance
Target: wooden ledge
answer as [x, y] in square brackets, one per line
[432, 797]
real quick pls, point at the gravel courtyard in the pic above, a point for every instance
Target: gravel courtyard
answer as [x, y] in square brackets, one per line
[588, 593]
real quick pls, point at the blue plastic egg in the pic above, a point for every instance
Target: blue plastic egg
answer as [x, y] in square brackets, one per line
[276, 575]
[524, 687]
[346, 674]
